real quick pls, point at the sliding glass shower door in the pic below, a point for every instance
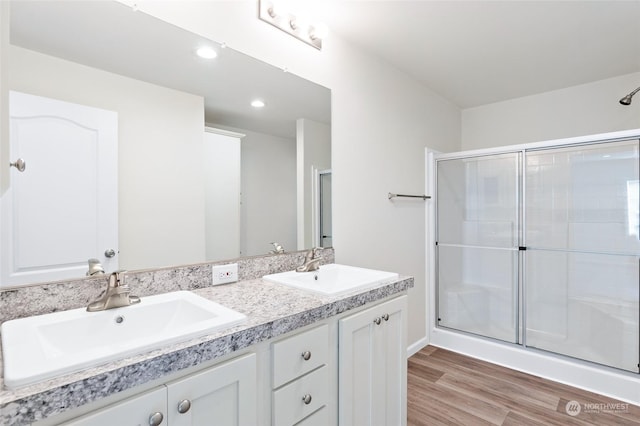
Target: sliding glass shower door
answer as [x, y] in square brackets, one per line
[477, 244]
[583, 252]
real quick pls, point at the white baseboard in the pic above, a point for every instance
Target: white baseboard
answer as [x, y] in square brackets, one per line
[602, 380]
[415, 347]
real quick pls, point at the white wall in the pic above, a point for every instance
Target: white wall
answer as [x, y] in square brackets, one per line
[161, 202]
[381, 122]
[313, 149]
[574, 111]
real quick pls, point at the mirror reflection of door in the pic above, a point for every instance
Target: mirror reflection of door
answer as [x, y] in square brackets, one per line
[326, 239]
[63, 208]
[222, 193]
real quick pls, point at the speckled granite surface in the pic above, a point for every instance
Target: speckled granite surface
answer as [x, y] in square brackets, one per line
[271, 309]
[25, 301]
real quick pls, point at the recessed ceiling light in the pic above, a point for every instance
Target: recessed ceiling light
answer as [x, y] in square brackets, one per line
[206, 53]
[257, 103]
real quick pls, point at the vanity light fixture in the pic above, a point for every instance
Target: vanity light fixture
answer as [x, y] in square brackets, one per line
[206, 52]
[297, 25]
[257, 103]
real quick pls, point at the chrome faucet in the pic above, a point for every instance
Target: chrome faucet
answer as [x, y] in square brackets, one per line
[117, 295]
[311, 261]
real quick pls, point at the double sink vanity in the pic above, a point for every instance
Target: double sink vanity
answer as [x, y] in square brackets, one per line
[277, 347]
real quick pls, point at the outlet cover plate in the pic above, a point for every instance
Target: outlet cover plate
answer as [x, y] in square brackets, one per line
[224, 274]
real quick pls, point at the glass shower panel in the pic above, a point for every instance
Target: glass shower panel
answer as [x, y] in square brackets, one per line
[476, 291]
[477, 201]
[584, 305]
[477, 234]
[583, 198]
[582, 288]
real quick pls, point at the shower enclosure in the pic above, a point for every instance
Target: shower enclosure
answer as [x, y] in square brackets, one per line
[539, 246]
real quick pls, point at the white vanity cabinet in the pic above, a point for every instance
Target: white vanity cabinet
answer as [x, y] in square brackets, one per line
[373, 366]
[224, 395]
[301, 371]
[149, 408]
[347, 370]
[221, 395]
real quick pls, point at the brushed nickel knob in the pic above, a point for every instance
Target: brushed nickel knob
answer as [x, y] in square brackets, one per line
[155, 419]
[184, 406]
[306, 399]
[377, 321]
[109, 253]
[306, 355]
[19, 164]
[385, 317]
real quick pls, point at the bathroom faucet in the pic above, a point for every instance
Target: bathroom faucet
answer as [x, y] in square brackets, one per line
[277, 248]
[95, 268]
[311, 261]
[117, 295]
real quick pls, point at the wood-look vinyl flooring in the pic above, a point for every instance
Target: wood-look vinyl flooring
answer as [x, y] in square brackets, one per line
[446, 388]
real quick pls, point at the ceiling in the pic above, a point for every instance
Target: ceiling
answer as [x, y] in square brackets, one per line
[479, 52]
[470, 52]
[110, 36]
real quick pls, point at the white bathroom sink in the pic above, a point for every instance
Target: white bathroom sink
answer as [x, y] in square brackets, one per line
[45, 346]
[333, 279]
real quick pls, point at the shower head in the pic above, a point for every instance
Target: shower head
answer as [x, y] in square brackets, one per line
[627, 99]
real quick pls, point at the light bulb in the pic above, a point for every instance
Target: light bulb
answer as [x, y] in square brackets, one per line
[318, 31]
[206, 52]
[257, 103]
[274, 10]
[299, 21]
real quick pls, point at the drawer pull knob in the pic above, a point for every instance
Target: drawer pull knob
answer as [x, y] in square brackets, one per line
[385, 317]
[156, 419]
[306, 399]
[377, 321]
[184, 406]
[306, 355]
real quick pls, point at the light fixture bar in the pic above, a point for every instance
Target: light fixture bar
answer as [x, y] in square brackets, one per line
[290, 23]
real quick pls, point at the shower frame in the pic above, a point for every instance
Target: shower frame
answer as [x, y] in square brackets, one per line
[435, 330]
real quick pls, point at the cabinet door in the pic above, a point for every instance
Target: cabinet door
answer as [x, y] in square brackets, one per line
[222, 395]
[137, 411]
[373, 366]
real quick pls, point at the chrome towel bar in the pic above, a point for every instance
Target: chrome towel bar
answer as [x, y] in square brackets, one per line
[424, 197]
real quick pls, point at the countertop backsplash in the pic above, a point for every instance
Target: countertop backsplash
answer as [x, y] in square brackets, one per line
[43, 298]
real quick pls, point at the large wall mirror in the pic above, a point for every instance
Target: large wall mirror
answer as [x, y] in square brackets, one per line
[197, 173]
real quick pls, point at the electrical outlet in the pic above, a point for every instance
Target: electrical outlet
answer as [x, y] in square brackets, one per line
[223, 274]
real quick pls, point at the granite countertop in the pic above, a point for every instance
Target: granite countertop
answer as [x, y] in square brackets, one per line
[271, 309]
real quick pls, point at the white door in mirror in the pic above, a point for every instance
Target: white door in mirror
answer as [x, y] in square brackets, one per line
[63, 209]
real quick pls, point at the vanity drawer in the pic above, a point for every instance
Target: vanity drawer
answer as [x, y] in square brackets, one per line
[319, 418]
[300, 398]
[289, 354]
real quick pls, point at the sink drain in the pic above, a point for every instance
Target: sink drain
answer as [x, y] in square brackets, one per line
[119, 319]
